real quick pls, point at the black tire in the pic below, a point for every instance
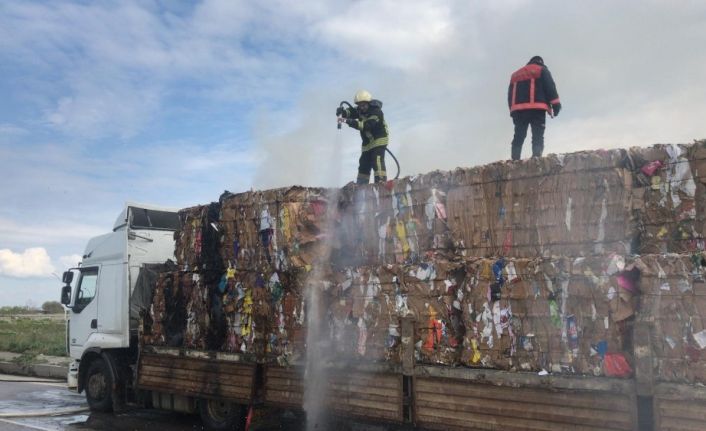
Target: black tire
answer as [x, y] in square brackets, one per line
[219, 415]
[99, 387]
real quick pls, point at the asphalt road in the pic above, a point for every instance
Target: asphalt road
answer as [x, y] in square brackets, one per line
[29, 403]
[32, 404]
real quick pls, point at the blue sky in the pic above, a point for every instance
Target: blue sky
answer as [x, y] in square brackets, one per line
[107, 102]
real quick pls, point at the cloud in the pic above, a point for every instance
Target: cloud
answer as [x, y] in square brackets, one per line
[392, 36]
[11, 130]
[110, 106]
[70, 261]
[110, 70]
[47, 233]
[33, 262]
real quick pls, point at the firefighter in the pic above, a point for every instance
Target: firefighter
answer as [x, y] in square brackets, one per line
[367, 117]
[532, 93]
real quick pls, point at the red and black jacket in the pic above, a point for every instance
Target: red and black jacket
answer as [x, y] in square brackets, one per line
[532, 87]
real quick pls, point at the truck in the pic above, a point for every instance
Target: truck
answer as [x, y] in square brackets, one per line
[102, 329]
[465, 338]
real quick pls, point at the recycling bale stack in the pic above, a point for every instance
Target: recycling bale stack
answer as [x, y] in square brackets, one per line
[183, 308]
[271, 241]
[525, 266]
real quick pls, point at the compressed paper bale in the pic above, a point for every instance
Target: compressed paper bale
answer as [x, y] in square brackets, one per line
[154, 327]
[537, 331]
[396, 224]
[197, 243]
[273, 228]
[168, 312]
[535, 208]
[671, 212]
[697, 158]
[674, 305]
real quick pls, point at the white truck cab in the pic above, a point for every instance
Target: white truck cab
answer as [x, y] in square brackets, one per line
[104, 312]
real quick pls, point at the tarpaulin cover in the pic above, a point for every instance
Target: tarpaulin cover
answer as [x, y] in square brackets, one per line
[141, 297]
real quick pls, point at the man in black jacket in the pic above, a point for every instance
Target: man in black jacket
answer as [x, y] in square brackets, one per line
[367, 117]
[532, 93]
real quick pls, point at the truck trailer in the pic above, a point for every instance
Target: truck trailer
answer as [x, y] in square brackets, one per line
[538, 295]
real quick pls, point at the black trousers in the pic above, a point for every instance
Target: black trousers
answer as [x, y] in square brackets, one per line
[528, 117]
[373, 159]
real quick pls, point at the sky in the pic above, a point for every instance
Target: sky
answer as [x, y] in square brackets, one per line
[171, 103]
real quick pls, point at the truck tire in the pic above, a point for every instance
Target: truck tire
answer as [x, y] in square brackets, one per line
[219, 415]
[99, 386]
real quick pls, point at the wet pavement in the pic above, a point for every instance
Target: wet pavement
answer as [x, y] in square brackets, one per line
[28, 403]
[43, 404]
[34, 403]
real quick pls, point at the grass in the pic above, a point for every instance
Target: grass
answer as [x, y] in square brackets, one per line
[33, 336]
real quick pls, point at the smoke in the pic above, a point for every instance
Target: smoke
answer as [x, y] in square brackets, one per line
[627, 78]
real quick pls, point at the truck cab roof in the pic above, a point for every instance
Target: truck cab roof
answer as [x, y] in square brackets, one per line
[144, 216]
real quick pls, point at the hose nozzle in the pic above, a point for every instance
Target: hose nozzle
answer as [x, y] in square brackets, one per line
[341, 118]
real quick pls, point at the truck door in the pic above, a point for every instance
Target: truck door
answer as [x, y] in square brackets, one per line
[84, 313]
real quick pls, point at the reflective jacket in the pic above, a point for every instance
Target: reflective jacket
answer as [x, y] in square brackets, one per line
[532, 87]
[372, 125]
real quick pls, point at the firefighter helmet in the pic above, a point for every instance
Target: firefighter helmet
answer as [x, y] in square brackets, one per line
[362, 96]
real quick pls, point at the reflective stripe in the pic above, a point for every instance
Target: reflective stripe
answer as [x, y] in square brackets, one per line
[526, 73]
[554, 101]
[514, 92]
[531, 100]
[535, 105]
[379, 142]
[378, 165]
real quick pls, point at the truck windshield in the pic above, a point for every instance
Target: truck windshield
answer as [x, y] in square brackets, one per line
[141, 218]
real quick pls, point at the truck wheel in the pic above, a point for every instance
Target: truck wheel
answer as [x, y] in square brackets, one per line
[222, 415]
[99, 386]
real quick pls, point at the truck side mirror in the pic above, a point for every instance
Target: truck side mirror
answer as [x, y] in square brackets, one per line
[67, 277]
[66, 293]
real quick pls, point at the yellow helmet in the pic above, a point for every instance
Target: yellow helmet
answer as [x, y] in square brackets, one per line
[362, 96]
